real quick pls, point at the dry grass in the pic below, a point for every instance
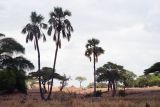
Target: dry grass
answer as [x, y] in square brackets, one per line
[136, 97]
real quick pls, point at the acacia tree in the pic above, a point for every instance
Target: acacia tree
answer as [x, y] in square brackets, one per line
[93, 49]
[8, 47]
[80, 79]
[61, 26]
[155, 68]
[34, 32]
[46, 74]
[113, 73]
[14, 65]
[63, 82]
[110, 72]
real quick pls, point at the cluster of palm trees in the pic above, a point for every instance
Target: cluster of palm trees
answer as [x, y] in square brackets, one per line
[58, 26]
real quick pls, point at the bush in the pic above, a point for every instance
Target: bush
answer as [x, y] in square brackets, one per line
[98, 93]
[98, 85]
[7, 80]
[121, 93]
[11, 80]
[20, 81]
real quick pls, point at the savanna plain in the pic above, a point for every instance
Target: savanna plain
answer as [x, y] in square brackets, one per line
[76, 97]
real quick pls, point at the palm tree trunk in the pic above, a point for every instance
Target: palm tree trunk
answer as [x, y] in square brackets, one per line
[39, 78]
[54, 65]
[94, 67]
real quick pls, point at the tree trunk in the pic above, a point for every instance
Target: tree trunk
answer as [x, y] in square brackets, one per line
[109, 85]
[80, 84]
[62, 86]
[94, 67]
[54, 65]
[114, 89]
[44, 87]
[39, 78]
[48, 85]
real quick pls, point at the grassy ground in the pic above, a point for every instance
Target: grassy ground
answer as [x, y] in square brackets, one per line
[136, 97]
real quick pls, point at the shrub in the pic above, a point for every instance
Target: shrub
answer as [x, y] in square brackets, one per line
[121, 93]
[7, 80]
[11, 80]
[98, 93]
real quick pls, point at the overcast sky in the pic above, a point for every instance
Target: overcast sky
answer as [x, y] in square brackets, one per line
[128, 30]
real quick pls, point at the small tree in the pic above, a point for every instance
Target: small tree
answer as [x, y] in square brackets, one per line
[80, 79]
[127, 78]
[46, 75]
[63, 82]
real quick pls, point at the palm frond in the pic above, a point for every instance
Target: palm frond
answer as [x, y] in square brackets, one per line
[67, 13]
[54, 36]
[49, 30]
[36, 18]
[44, 37]
[43, 25]
[52, 14]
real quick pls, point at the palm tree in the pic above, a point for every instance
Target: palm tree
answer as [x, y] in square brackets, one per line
[34, 32]
[93, 49]
[61, 26]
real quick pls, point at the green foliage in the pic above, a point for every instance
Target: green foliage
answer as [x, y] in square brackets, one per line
[59, 24]
[93, 49]
[46, 74]
[20, 81]
[153, 69]
[34, 29]
[11, 80]
[12, 74]
[80, 79]
[127, 78]
[109, 72]
[7, 80]
[98, 85]
[113, 72]
[147, 80]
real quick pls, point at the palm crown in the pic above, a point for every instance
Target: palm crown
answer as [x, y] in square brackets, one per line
[33, 29]
[92, 48]
[60, 24]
